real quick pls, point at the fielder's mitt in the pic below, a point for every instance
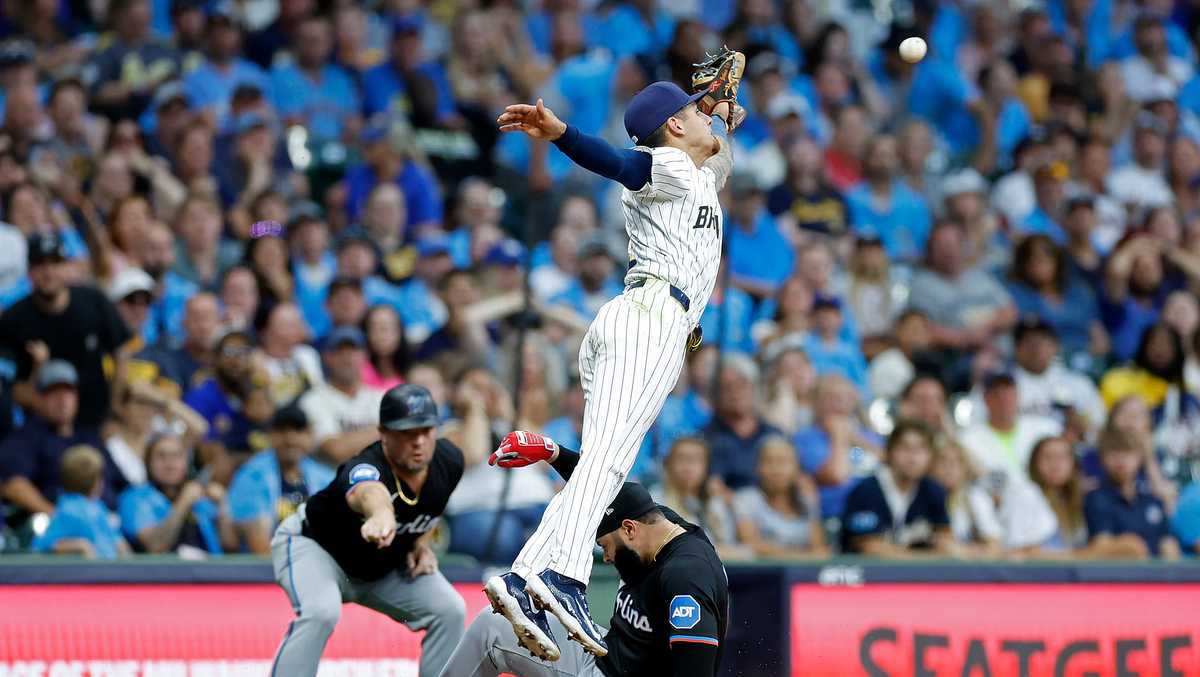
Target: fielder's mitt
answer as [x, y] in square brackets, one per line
[719, 77]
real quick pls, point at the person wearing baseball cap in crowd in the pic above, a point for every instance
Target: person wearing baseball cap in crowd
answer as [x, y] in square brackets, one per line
[671, 611]
[275, 482]
[30, 457]
[72, 323]
[364, 538]
[344, 412]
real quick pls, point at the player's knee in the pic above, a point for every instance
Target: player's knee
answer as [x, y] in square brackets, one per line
[322, 617]
[451, 610]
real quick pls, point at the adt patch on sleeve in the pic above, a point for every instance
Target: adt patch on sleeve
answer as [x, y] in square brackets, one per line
[363, 472]
[685, 612]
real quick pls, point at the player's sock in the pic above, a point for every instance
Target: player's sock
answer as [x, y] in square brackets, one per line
[566, 599]
[508, 597]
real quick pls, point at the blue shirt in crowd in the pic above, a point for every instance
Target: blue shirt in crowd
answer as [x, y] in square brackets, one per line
[144, 506]
[257, 486]
[735, 458]
[34, 451]
[1108, 511]
[903, 227]
[838, 357]
[587, 304]
[384, 90]
[813, 448]
[1186, 520]
[323, 105]
[81, 517]
[726, 320]
[936, 93]
[422, 197]
[759, 253]
[211, 87]
[226, 424]
[681, 416]
[1071, 318]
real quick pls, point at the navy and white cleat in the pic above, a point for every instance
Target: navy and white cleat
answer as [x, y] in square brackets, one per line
[507, 594]
[566, 599]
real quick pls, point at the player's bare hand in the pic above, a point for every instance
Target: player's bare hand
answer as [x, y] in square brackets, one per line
[380, 530]
[521, 448]
[422, 561]
[536, 121]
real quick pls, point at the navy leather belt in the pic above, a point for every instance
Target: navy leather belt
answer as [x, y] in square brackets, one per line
[676, 293]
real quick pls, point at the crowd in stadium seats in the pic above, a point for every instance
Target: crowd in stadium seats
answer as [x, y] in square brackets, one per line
[957, 314]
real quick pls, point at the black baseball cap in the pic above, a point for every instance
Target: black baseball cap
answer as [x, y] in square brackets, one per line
[632, 502]
[45, 248]
[291, 417]
[406, 407]
[1033, 324]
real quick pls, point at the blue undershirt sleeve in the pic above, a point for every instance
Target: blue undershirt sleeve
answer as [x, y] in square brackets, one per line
[629, 167]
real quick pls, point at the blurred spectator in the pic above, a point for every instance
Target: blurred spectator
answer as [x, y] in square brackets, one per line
[892, 368]
[1142, 182]
[791, 382]
[875, 293]
[275, 482]
[1152, 62]
[1050, 388]
[1162, 469]
[843, 155]
[169, 512]
[759, 257]
[972, 511]
[477, 221]
[30, 456]
[141, 412]
[387, 348]
[1003, 442]
[688, 409]
[779, 516]
[595, 281]
[1042, 284]
[1157, 375]
[738, 427]
[267, 256]
[463, 333]
[291, 365]
[688, 488]
[898, 512]
[1118, 507]
[923, 399]
[201, 257]
[81, 525]
[313, 91]
[1048, 190]
[408, 83]
[221, 398]
[967, 307]
[805, 197]
[345, 304]
[130, 63]
[884, 206]
[75, 323]
[1181, 312]
[728, 317]
[343, 411]
[178, 365]
[837, 448]
[828, 351]
[210, 85]
[384, 161]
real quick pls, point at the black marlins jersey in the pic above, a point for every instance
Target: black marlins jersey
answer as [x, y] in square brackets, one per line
[678, 602]
[330, 521]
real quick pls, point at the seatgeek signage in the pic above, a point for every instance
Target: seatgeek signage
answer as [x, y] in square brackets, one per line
[996, 630]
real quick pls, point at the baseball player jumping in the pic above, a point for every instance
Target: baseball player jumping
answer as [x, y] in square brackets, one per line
[634, 350]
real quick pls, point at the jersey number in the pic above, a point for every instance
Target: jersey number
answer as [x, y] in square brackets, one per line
[708, 218]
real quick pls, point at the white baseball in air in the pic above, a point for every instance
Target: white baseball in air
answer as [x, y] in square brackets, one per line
[912, 49]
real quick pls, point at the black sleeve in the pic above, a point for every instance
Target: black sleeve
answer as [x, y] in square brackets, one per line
[10, 339]
[692, 617]
[115, 332]
[566, 462]
[865, 513]
[939, 516]
[457, 462]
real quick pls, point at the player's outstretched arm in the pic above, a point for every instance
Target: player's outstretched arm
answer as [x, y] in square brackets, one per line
[629, 167]
[373, 501]
[521, 448]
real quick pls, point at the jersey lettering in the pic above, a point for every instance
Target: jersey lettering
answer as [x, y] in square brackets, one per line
[707, 217]
[626, 610]
[685, 612]
[419, 525]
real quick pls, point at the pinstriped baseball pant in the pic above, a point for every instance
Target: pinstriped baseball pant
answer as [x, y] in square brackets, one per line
[629, 362]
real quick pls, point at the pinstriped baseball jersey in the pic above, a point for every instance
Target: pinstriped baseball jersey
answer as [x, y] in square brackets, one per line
[675, 226]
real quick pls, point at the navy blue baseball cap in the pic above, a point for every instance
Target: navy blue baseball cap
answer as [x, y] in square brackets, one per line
[651, 107]
[632, 502]
[345, 335]
[406, 407]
